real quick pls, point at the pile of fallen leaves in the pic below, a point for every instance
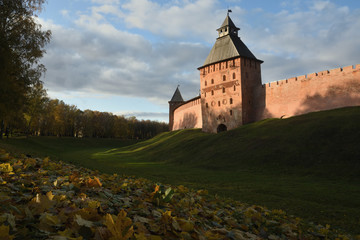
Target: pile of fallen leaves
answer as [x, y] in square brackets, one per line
[44, 199]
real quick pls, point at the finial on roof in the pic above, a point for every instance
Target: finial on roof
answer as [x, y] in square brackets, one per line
[229, 11]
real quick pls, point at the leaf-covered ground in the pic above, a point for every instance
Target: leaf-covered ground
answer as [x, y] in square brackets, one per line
[44, 199]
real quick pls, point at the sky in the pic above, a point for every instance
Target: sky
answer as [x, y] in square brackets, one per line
[128, 56]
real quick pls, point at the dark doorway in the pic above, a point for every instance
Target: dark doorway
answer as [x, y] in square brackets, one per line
[221, 128]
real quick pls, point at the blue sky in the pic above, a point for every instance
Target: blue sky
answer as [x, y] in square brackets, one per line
[128, 56]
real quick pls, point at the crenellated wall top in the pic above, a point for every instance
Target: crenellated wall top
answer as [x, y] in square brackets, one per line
[311, 76]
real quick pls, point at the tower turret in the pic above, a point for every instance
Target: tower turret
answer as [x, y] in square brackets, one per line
[175, 101]
[229, 79]
[228, 28]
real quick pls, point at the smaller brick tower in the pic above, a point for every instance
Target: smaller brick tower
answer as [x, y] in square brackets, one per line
[229, 80]
[175, 101]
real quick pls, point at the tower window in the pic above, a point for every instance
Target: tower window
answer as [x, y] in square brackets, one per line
[205, 94]
[223, 90]
[234, 75]
[205, 83]
[219, 103]
[207, 105]
[231, 101]
[234, 87]
[212, 92]
[212, 81]
[224, 78]
[230, 112]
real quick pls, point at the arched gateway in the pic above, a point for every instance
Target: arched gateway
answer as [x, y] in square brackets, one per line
[221, 128]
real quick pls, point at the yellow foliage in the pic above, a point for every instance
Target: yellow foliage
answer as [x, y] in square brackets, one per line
[4, 233]
[93, 204]
[212, 236]
[186, 226]
[120, 226]
[6, 168]
[46, 161]
[50, 196]
[29, 162]
[140, 236]
[155, 237]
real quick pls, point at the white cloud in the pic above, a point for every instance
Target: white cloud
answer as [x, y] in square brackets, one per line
[160, 116]
[321, 5]
[324, 36]
[64, 13]
[97, 57]
[186, 19]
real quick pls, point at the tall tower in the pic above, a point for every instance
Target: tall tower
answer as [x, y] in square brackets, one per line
[229, 79]
[175, 101]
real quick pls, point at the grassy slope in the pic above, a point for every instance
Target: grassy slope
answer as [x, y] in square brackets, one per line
[308, 165]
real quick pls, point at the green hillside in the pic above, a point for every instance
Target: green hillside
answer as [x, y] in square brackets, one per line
[308, 165]
[324, 144]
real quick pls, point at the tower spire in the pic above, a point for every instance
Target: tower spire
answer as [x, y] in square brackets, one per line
[228, 27]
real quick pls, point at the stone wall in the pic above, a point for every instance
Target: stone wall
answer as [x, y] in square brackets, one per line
[188, 115]
[324, 90]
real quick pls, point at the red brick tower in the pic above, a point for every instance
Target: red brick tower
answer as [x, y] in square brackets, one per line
[175, 101]
[229, 80]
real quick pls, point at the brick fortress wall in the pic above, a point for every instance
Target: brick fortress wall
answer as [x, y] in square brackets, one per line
[324, 90]
[188, 115]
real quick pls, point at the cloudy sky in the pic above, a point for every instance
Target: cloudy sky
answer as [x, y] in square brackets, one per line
[128, 56]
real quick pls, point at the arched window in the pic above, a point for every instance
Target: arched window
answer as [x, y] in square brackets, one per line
[230, 112]
[224, 78]
[212, 92]
[212, 81]
[231, 101]
[223, 90]
[205, 83]
[219, 103]
[234, 87]
[234, 75]
[207, 105]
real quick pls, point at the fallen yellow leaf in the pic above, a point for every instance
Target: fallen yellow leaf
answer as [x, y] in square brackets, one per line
[4, 233]
[6, 168]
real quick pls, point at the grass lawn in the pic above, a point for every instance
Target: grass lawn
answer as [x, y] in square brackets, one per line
[308, 165]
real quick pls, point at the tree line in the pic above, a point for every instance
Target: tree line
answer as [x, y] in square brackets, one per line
[53, 117]
[24, 105]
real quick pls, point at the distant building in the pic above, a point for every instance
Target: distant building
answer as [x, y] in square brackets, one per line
[232, 93]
